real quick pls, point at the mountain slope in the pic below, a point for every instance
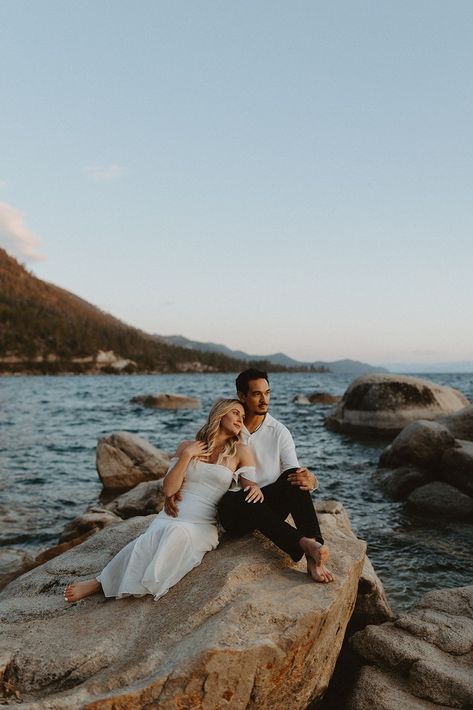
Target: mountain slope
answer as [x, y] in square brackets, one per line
[337, 367]
[44, 328]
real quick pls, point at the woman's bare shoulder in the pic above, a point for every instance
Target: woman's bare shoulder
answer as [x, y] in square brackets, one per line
[245, 455]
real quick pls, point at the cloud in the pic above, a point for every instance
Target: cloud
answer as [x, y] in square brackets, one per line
[3, 183]
[105, 173]
[16, 237]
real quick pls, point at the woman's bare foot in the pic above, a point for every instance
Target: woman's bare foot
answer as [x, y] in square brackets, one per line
[316, 555]
[79, 590]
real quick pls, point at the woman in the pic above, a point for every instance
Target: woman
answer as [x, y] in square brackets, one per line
[171, 547]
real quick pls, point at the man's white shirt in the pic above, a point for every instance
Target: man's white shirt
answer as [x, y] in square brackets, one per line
[273, 448]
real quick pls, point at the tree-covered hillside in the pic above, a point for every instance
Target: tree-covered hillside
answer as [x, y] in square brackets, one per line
[44, 328]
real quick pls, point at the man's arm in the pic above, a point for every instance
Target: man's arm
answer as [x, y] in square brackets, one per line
[302, 477]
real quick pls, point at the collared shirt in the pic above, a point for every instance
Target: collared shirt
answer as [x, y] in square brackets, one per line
[273, 448]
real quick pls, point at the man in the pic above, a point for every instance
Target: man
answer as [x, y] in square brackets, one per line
[286, 486]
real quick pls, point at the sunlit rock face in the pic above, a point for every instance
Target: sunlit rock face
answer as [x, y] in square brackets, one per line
[385, 404]
[247, 628]
[422, 660]
[123, 460]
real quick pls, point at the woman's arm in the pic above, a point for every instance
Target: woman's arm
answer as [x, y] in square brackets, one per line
[185, 453]
[246, 458]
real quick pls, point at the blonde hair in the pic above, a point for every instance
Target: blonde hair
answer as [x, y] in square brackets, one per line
[208, 433]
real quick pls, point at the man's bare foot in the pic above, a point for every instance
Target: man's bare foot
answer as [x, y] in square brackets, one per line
[79, 590]
[319, 573]
[316, 555]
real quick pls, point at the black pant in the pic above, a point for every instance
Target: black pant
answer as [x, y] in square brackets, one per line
[280, 498]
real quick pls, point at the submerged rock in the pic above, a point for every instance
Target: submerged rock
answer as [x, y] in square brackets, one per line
[245, 629]
[381, 403]
[301, 399]
[166, 401]
[316, 398]
[324, 398]
[422, 660]
[123, 460]
[443, 500]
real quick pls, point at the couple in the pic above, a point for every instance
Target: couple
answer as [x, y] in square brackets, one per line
[221, 469]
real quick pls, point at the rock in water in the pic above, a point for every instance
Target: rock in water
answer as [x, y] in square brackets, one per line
[422, 660]
[457, 466]
[460, 424]
[442, 500]
[124, 460]
[245, 629]
[166, 401]
[421, 443]
[387, 403]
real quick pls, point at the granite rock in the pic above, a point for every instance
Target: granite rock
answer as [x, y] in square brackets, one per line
[443, 500]
[144, 499]
[421, 443]
[456, 466]
[422, 660]
[460, 423]
[166, 401]
[245, 629]
[92, 520]
[124, 460]
[400, 482]
[385, 404]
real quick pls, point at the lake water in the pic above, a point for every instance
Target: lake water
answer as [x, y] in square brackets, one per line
[49, 428]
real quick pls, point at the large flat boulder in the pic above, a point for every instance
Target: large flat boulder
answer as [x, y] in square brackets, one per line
[383, 403]
[245, 629]
[123, 460]
[422, 660]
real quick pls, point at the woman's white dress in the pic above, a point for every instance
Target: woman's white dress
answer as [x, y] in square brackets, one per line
[171, 547]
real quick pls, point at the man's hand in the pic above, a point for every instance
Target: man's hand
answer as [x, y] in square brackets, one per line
[170, 504]
[303, 478]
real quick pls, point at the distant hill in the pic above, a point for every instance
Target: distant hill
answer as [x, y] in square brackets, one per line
[46, 329]
[349, 367]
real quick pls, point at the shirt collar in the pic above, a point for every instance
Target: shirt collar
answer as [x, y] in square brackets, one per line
[268, 421]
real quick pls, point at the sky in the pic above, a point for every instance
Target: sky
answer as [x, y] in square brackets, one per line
[274, 176]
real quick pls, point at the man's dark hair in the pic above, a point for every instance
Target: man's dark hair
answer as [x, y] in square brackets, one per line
[245, 377]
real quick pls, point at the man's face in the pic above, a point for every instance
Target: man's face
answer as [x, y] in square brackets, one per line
[256, 401]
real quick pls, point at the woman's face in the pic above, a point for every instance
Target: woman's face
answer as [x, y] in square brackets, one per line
[232, 422]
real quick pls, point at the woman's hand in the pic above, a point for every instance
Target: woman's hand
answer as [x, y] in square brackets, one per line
[195, 449]
[255, 494]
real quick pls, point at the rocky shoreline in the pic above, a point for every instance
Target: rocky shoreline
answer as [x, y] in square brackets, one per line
[243, 628]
